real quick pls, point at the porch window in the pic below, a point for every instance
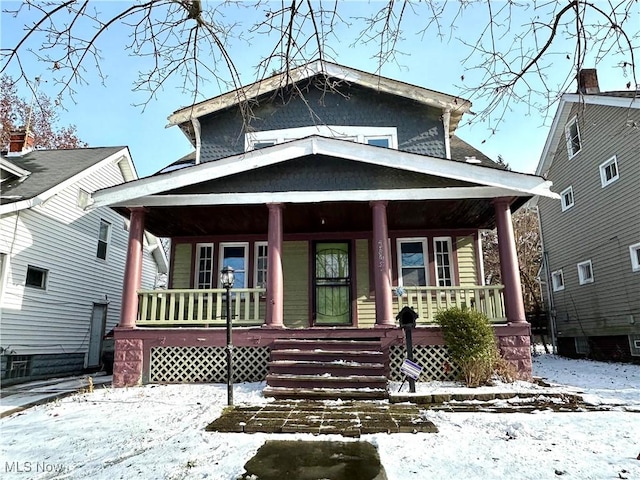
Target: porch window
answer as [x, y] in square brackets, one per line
[609, 172]
[585, 272]
[412, 262]
[260, 277]
[378, 136]
[572, 135]
[103, 239]
[444, 267]
[557, 279]
[235, 256]
[204, 266]
[634, 251]
[567, 198]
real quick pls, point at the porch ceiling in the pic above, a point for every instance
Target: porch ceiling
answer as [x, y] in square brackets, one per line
[327, 217]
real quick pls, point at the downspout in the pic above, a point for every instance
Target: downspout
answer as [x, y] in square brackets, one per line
[196, 130]
[547, 275]
[446, 121]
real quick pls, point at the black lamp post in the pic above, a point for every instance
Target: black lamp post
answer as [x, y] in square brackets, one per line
[226, 279]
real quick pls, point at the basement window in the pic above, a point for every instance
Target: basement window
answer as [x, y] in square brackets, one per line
[582, 345]
[634, 345]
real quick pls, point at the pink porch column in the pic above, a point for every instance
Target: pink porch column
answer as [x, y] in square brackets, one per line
[509, 268]
[132, 270]
[382, 266]
[275, 288]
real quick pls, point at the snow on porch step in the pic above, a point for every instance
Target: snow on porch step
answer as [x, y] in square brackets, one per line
[326, 393]
[334, 368]
[328, 355]
[327, 381]
[325, 344]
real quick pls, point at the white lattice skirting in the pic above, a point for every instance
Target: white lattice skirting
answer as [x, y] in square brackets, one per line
[434, 360]
[206, 364]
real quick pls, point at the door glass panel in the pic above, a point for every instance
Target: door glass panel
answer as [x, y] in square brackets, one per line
[332, 284]
[235, 257]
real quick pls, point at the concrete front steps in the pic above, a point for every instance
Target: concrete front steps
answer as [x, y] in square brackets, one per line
[326, 369]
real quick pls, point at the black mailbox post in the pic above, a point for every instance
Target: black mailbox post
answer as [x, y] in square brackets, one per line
[407, 318]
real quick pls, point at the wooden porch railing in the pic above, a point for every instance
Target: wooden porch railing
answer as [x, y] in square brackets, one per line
[426, 301]
[204, 307]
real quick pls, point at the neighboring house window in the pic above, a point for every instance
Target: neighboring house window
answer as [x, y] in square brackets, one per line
[582, 345]
[444, 264]
[567, 198]
[634, 250]
[609, 172]
[572, 134]
[412, 262]
[36, 277]
[585, 272]
[204, 266]
[557, 278]
[634, 344]
[83, 199]
[378, 136]
[234, 255]
[103, 239]
[260, 279]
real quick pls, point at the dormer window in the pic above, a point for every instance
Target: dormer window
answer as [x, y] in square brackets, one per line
[386, 137]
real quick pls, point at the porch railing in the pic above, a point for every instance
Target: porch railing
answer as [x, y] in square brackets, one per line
[426, 301]
[202, 307]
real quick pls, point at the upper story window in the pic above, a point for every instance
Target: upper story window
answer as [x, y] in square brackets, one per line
[585, 272]
[566, 197]
[103, 239]
[36, 277]
[443, 259]
[609, 171]
[572, 134]
[412, 262]
[204, 266]
[377, 136]
[557, 279]
[634, 251]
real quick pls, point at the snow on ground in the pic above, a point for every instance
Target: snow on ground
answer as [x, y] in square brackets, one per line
[157, 432]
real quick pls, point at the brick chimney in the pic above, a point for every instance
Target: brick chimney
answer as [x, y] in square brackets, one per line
[20, 142]
[588, 81]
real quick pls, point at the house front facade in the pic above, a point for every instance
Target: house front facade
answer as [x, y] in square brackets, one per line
[592, 237]
[341, 198]
[61, 266]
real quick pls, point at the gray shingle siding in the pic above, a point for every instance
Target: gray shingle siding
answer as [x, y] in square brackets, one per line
[600, 227]
[420, 128]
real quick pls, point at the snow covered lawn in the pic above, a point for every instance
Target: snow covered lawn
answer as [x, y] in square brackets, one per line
[157, 432]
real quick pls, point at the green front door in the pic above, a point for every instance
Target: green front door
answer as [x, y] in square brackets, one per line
[332, 284]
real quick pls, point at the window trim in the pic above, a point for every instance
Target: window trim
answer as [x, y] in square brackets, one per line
[449, 242]
[603, 171]
[221, 248]
[105, 242]
[354, 133]
[196, 273]
[565, 206]
[256, 249]
[557, 274]
[633, 252]
[582, 278]
[45, 278]
[425, 253]
[568, 138]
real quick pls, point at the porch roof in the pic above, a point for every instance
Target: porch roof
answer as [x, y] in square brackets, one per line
[316, 176]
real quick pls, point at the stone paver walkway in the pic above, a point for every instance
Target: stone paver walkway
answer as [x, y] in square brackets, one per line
[350, 419]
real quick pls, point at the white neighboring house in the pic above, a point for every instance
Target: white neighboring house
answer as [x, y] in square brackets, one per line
[61, 265]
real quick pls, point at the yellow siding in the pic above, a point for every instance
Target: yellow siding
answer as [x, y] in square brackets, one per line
[366, 302]
[466, 261]
[295, 266]
[181, 274]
